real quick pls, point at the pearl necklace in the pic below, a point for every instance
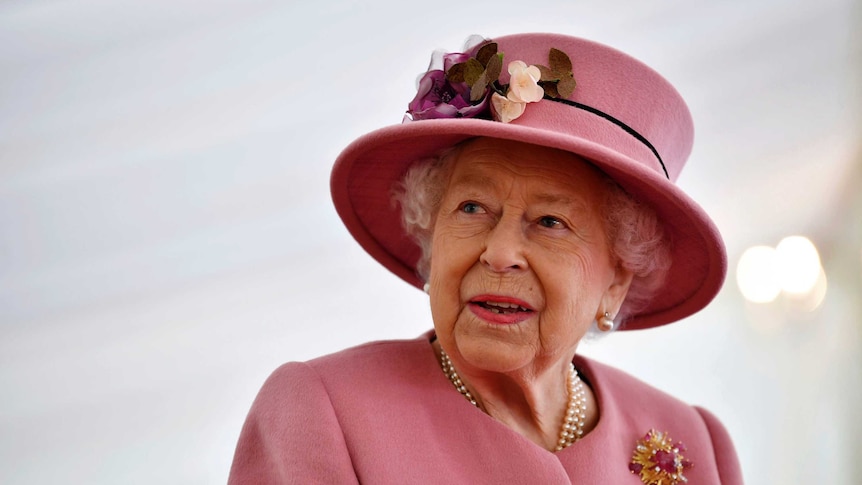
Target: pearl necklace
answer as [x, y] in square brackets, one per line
[576, 412]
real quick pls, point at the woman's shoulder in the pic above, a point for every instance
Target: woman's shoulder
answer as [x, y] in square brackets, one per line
[375, 351]
[635, 401]
[632, 408]
[371, 361]
[376, 356]
[616, 385]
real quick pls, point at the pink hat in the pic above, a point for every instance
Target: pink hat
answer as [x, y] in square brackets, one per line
[620, 115]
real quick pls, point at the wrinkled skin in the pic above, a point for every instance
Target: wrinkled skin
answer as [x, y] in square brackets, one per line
[520, 226]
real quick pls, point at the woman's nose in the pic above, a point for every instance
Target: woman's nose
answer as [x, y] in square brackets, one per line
[504, 247]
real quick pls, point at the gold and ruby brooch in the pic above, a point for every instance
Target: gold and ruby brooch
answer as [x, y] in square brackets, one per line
[657, 460]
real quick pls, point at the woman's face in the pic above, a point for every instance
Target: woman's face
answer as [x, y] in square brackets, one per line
[520, 265]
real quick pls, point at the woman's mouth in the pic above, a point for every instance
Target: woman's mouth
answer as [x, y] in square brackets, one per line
[500, 307]
[500, 310]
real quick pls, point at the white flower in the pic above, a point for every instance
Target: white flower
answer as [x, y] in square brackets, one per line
[523, 83]
[505, 109]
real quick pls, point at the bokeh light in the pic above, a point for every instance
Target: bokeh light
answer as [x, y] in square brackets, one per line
[757, 274]
[792, 268]
[798, 264]
[810, 301]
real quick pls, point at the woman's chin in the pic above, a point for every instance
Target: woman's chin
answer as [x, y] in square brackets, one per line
[494, 355]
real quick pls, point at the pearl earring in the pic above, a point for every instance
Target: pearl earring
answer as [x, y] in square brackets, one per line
[605, 322]
[426, 288]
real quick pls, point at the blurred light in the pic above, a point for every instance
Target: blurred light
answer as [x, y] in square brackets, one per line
[810, 301]
[798, 265]
[757, 275]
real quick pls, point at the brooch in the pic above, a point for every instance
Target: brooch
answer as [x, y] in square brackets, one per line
[658, 460]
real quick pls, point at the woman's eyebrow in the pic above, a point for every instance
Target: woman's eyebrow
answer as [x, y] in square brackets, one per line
[552, 198]
[576, 202]
[469, 182]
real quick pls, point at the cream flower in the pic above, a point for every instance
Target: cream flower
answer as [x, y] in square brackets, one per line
[523, 83]
[505, 109]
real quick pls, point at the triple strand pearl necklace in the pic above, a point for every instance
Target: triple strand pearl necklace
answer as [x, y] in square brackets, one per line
[576, 412]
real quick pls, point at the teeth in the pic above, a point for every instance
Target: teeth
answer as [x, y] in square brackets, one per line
[503, 305]
[495, 306]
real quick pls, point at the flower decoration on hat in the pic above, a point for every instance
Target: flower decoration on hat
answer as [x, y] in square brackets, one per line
[468, 85]
[658, 460]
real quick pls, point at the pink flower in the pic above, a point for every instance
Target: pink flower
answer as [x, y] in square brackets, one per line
[438, 98]
[506, 110]
[524, 83]
[467, 84]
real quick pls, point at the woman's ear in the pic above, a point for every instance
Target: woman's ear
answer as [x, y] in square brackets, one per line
[616, 293]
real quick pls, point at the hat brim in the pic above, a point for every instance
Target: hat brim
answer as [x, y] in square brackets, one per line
[362, 188]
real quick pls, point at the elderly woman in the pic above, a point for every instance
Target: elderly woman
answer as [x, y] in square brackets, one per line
[534, 202]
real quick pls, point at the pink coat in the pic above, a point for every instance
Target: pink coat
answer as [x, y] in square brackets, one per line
[385, 413]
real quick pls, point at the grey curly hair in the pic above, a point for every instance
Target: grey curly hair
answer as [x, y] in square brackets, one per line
[635, 236]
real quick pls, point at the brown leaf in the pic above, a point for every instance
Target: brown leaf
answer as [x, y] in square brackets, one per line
[550, 89]
[477, 91]
[560, 62]
[547, 74]
[486, 52]
[472, 71]
[455, 73]
[494, 67]
[566, 86]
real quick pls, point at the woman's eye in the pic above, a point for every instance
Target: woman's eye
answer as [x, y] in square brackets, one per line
[550, 222]
[471, 208]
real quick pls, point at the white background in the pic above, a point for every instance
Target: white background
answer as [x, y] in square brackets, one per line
[167, 237]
